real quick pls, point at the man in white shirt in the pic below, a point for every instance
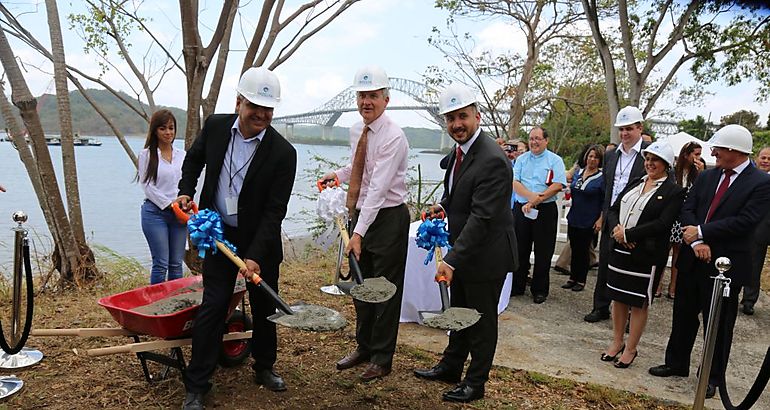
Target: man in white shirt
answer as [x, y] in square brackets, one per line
[379, 218]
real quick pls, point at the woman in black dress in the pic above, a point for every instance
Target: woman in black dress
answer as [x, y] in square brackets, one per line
[641, 218]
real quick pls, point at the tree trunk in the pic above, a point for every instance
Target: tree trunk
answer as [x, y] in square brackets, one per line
[70, 266]
[20, 141]
[69, 165]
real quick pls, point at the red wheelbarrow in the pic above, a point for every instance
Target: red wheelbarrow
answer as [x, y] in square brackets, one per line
[175, 327]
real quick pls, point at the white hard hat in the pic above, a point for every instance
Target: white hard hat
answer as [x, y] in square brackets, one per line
[628, 115]
[370, 78]
[661, 149]
[454, 97]
[734, 137]
[260, 86]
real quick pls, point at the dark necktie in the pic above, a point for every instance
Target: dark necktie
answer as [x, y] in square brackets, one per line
[357, 173]
[458, 162]
[720, 193]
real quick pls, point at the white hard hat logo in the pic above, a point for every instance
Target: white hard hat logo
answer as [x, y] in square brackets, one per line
[265, 92]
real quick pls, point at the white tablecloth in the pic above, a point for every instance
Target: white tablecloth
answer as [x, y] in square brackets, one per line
[421, 291]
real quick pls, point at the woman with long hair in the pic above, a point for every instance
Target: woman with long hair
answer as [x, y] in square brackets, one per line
[641, 220]
[160, 168]
[688, 165]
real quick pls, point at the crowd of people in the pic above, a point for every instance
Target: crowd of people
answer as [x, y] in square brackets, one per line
[637, 200]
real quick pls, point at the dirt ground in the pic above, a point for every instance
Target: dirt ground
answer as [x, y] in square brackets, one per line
[527, 376]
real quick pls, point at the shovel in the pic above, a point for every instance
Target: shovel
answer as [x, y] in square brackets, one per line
[448, 318]
[372, 290]
[305, 317]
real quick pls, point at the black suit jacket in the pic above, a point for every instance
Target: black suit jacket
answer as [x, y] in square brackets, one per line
[729, 232]
[608, 169]
[653, 229]
[266, 188]
[479, 212]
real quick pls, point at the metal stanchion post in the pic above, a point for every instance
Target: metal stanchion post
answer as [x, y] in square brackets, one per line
[721, 290]
[10, 385]
[333, 289]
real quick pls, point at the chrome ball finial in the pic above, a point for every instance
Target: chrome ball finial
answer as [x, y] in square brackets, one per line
[723, 264]
[19, 217]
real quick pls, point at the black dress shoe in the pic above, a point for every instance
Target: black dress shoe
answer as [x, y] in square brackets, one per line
[440, 372]
[464, 393]
[353, 359]
[578, 287]
[597, 315]
[561, 270]
[193, 401]
[748, 309]
[665, 371]
[569, 285]
[539, 299]
[270, 379]
[711, 390]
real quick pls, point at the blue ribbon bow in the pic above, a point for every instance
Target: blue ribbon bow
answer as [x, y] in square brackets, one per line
[205, 230]
[430, 234]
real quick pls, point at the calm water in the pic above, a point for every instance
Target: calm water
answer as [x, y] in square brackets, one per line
[111, 200]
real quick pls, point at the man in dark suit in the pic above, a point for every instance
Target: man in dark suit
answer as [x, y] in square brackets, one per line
[250, 171]
[477, 188]
[761, 242]
[621, 166]
[718, 218]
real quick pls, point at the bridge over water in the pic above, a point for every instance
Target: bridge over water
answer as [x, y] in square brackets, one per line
[426, 100]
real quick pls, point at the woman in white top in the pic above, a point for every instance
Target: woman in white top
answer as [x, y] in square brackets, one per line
[160, 168]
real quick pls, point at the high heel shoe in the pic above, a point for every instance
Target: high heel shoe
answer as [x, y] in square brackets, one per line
[607, 358]
[622, 365]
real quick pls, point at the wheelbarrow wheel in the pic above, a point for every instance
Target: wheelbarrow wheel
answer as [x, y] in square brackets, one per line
[234, 352]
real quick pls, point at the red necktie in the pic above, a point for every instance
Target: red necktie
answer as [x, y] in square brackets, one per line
[720, 192]
[458, 162]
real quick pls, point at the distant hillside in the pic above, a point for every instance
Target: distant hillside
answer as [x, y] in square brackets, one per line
[86, 121]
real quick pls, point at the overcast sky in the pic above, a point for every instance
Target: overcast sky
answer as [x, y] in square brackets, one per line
[389, 33]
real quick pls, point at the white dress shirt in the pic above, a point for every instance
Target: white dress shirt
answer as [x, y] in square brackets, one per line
[164, 190]
[623, 168]
[384, 180]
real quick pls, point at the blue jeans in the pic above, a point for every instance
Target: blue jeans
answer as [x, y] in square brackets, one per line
[166, 237]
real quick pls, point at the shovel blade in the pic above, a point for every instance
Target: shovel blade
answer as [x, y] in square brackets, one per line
[374, 290]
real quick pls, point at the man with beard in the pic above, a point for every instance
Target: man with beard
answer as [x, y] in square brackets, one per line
[477, 192]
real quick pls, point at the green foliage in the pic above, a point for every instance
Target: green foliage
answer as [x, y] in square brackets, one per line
[88, 122]
[748, 119]
[761, 140]
[697, 128]
[103, 23]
